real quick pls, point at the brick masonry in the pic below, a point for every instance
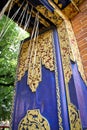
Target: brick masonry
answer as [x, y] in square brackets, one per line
[79, 23]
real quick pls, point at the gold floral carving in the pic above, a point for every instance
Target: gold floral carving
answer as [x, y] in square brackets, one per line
[75, 122]
[65, 52]
[33, 54]
[34, 121]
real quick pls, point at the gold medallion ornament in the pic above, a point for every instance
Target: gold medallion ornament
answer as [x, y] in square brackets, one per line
[34, 121]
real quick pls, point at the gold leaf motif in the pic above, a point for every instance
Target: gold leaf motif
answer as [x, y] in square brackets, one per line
[34, 121]
[75, 122]
[32, 55]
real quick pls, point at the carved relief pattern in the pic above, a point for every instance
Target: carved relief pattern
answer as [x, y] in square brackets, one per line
[32, 55]
[33, 121]
[75, 50]
[65, 52]
[75, 122]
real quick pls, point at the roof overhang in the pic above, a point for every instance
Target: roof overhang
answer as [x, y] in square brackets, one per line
[47, 15]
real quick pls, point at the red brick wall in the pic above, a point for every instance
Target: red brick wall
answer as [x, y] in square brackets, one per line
[79, 24]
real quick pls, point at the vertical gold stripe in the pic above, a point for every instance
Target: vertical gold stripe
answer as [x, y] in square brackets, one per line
[57, 91]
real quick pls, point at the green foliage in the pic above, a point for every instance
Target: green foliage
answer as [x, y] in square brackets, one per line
[9, 46]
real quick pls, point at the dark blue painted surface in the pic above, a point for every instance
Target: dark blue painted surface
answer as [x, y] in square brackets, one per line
[72, 92]
[45, 96]
[44, 99]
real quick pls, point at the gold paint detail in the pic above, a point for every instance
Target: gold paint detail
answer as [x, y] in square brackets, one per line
[75, 121]
[65, 52]
[75, 49]
[34, 121]
[31, 57]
